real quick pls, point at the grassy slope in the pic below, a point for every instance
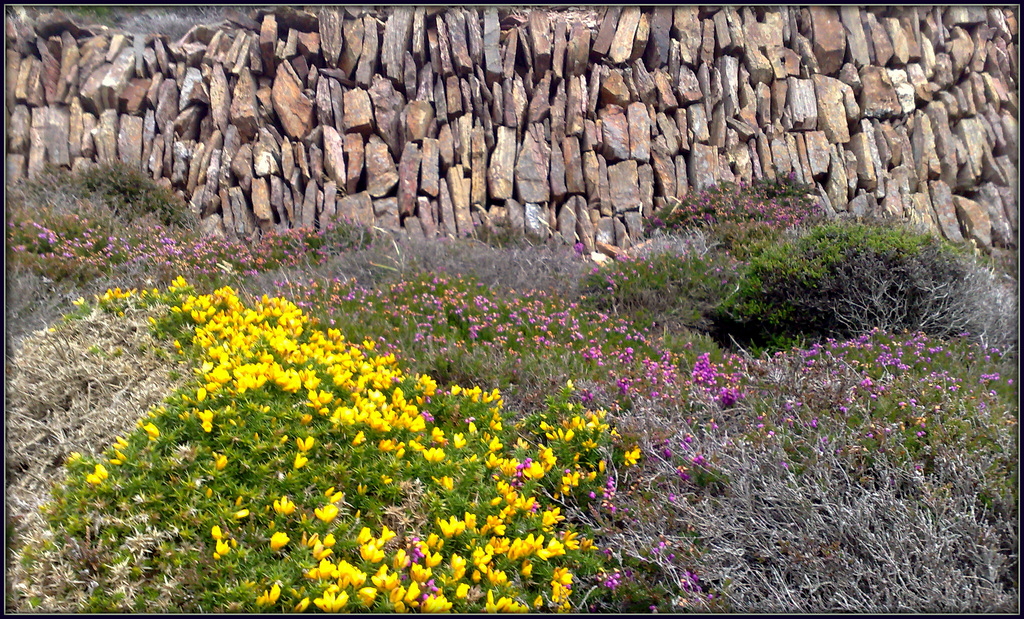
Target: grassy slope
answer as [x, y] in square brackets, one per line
[878, 473]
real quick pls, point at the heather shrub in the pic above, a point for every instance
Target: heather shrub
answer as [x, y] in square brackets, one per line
[780, 203]
[843, 279]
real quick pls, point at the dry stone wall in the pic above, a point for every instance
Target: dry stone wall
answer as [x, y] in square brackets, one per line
[568, 123]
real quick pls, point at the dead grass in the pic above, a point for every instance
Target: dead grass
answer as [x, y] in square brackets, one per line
[71, 388]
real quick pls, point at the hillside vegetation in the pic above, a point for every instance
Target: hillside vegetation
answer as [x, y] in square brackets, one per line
[755, 411]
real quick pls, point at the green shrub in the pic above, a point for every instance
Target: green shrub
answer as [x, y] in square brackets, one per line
[843, 279]
[670, 289]
[132, 195]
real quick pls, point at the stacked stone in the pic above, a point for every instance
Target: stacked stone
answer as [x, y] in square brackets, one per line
[434, 121]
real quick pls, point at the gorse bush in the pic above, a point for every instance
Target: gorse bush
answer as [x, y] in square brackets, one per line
[302, 469]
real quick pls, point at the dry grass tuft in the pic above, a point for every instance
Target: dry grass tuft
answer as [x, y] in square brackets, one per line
[71, 388]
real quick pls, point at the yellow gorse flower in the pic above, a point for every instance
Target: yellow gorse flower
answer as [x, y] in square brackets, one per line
[304, 445]
[152, 431]
[222, 548]
[97, 476]
[327, 513]
[279, 540]
[331, 602]
[284, 506]
[367, 595]
[270, 596]
[433, 454]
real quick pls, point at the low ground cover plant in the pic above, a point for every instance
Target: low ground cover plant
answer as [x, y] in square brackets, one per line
[381, 426]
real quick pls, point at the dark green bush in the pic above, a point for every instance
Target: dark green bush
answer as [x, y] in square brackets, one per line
[843, 279]
[132, 195]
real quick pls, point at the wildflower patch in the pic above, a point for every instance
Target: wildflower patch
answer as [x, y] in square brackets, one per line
[299, 470]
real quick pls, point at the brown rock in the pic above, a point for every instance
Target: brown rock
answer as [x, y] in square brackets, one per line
[608, 30]
[945, 211]
[330, 28]
[18, 127]
[446, 146]
[615, 133]
[540, 102]
[117, 77]
[865, 149]
[539, 27]
[408, 172]
[129, 141]
[357, 208]
[457, 38]
[828, 38]
[687, 86]
[801, 104]
[972, 134]
[567, 223]
[639, 132]
[265, 157]
[352, 34]
[622, 43]
[105, 137]
[478, 167]
[293, 108]
[459, 186]
[659, 40]
[831, 111]
[574, 182]
[577, 51]
[429, 172]
[667, 101]
[419, 115]
[492, 49]
[358, 111]
[397, 38]
[879, 39]
[703, 167]
[836, 184]
[878, 97]
[241, 165]
[387, 110]
[381, 174]
[193, 90]
[613, 90]
[260, 195]
[367, 66]
[386, 214]
[900, 48]
[818, 153]
[531, 170]
[334, 160]
[923, 148]
[556, 174]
